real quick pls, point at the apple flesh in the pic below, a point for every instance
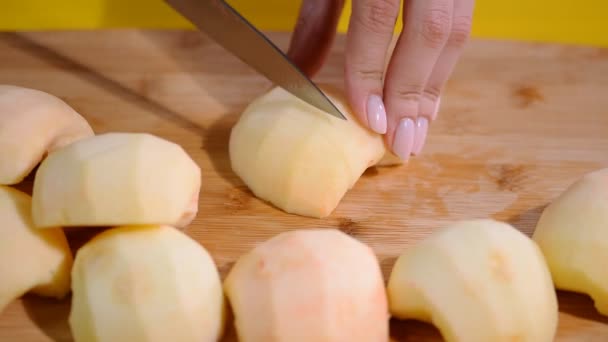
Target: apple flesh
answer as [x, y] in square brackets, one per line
[299, 158]
[572, 233]
[477, 280]
[32, 124]
[308, 285]
[117, 179]
[145, 283]
[31, 260]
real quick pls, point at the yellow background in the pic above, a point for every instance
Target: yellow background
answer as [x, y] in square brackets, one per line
[566, 21]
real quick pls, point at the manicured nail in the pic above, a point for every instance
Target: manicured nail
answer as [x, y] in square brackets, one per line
[437, 104]
[404, 138]
[422, 128]
[376, 114]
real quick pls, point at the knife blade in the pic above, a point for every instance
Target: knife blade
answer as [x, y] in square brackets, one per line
[231, 30]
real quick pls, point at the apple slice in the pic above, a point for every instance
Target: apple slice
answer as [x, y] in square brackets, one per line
[117, 179]
[145, 283]
[30, 259]
[299, 158]
[32, 124]
[572, 232]
[477, 281]
[308, 285]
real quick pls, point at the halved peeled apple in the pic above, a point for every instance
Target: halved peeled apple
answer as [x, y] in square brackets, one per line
[145, 283]
[572, 232]
[478, 280]
[32, 124]
[308, 285]
[117, 179]
[299, 158]
[31, 260]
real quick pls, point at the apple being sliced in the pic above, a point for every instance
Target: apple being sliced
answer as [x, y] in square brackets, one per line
[477, 281]
[299, 158]
[32, 124]
[117, 179]
[30, 259]
[145, 283]
[309, 285]
[572, 232]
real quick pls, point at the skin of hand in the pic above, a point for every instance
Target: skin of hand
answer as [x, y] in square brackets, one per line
[402, 97]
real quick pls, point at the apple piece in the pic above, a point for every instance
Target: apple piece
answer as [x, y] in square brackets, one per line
[308, 285]
[117, 179]
[32, 124]
[299, 158]
[31, 260]
[476, 280]
[572, 233]
[146, 283]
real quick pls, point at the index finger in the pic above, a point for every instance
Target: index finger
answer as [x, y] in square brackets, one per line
[369, 36]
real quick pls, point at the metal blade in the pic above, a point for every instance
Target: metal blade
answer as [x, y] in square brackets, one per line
[229, 29]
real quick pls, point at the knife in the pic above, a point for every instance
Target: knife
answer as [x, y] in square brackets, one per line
[232, 31]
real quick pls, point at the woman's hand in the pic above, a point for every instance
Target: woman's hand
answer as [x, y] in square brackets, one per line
[402, 102]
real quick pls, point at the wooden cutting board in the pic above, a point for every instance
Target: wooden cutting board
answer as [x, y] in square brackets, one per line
[519, 122]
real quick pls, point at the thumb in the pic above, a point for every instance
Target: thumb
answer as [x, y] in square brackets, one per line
[314, 34]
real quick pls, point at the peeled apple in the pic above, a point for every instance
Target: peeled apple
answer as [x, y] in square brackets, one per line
[145, 283]
[477, 280]
[308, 285]
[299, 158]
[32, 124]
[31, 260]
[117, 179]
[572, 232]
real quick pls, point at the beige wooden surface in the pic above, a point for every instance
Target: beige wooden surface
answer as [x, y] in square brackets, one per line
[519, 123]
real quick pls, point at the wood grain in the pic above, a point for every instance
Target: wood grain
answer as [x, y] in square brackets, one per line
[519, 122]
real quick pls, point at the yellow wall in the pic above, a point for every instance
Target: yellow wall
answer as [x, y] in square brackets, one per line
[540, 20]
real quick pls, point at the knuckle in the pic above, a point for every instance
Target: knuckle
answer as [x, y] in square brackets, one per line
[407, 93]
[432, 92]
[366, 73]
[435, 27]
[379, 16]
[461, 28]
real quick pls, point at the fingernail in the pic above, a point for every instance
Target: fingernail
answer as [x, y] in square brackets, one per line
[437, 104]
[376, 114]
[404, 139]
[422, 128]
